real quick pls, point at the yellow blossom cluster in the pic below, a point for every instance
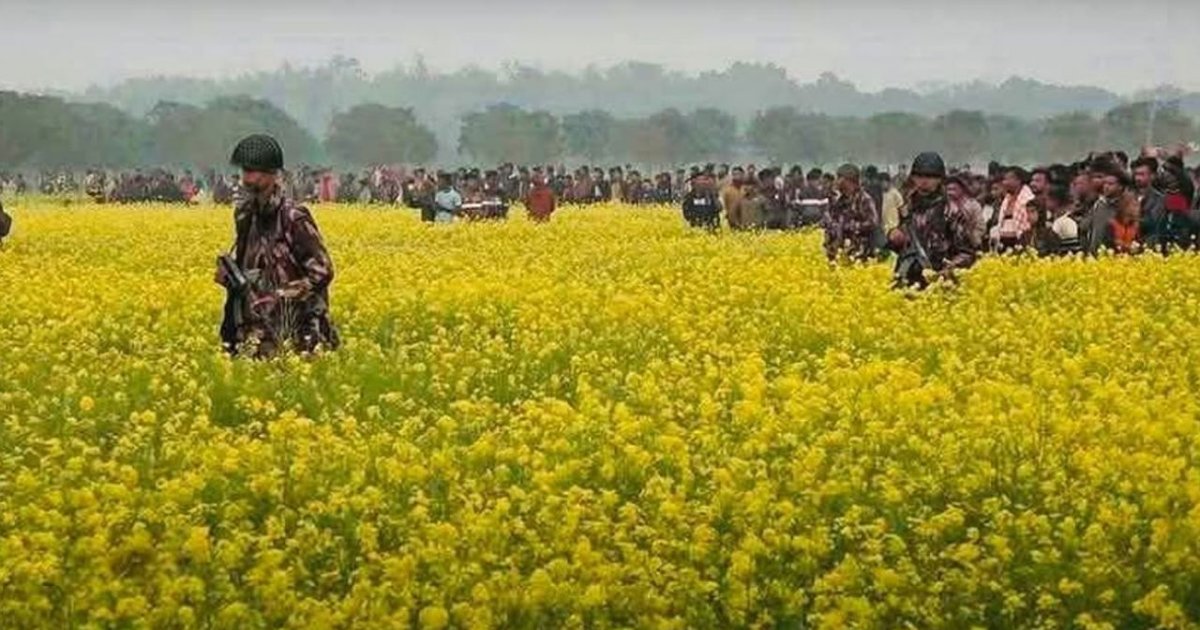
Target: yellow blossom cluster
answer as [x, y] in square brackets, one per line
[606, 421]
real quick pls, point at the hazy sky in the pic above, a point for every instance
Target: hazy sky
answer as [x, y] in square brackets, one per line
[1122, 45]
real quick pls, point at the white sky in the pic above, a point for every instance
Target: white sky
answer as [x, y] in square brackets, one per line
[1121, 45]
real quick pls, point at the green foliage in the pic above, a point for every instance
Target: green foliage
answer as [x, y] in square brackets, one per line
[199, 127]
[1069, 136]
[785, 135]
[376, 134]
[203, 137]
[589, 134]
[42, 131]
[508, 133]
[962, 135]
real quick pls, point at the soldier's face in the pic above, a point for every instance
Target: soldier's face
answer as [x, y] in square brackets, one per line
[847, 185]
[258, 182]
[926, 184]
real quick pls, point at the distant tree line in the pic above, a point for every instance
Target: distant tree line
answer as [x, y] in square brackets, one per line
[313, 95]
[48, 132]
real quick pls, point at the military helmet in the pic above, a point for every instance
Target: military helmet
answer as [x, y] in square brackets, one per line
[928, 164]
[258, 152]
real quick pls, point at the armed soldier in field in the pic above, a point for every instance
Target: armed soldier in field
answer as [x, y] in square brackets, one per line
[278, 273]
[933, 236]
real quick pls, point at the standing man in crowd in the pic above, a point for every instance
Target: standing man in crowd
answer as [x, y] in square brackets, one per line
[1150, 200]
[892, 202]
[960, 202]
[701, 206]
[813, 199]
[1013, 227]
[850, 221]
[447, 201]
[731, 195]
[278, 275]
[541, 202]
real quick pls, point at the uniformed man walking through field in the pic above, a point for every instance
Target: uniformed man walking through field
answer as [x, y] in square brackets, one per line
[934, 236]
[278, 274]
[851, 220]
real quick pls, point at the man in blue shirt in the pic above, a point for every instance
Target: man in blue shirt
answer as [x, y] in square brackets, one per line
[447, 201]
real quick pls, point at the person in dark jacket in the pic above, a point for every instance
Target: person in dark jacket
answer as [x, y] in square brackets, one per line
[701, 205]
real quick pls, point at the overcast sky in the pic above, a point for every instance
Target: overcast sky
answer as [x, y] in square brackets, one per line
[1122, 45]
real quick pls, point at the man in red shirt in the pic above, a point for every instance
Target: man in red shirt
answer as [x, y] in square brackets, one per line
[540, 202]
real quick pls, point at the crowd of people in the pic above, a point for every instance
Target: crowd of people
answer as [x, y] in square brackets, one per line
[935, 220]
[1104, 200]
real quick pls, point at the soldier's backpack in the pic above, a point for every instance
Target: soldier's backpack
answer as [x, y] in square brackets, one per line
[5, 222]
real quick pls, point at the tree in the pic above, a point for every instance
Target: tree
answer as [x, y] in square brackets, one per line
[1013, 140]
[785, 135]
[186, 135]
[676, 136]
[895, 137]
[173, 131]
[1127, 126]
[1171, 126]
[376, 134]
[1068, 137]
[589, 134]
[230, 119]
[643, 142]
[713, 134]
[963, 135]
[508, 133]
[41, 131]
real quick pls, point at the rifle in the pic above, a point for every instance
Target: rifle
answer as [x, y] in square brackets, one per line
[240, 287]
[236, 284]
[913, 260]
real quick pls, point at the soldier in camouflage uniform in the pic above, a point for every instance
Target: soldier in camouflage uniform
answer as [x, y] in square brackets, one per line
[936, 236]
[851, 219]
[279, 272]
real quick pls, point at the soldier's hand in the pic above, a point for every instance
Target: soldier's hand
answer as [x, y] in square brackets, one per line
[264, 301]
[294, 290]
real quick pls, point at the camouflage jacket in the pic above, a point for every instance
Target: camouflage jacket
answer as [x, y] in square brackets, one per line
[281, 251]
[947, 232]
[850, 218]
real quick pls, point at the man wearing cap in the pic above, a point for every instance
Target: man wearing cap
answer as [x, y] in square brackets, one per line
[944, 236]
[851, 220]
[278, 273]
